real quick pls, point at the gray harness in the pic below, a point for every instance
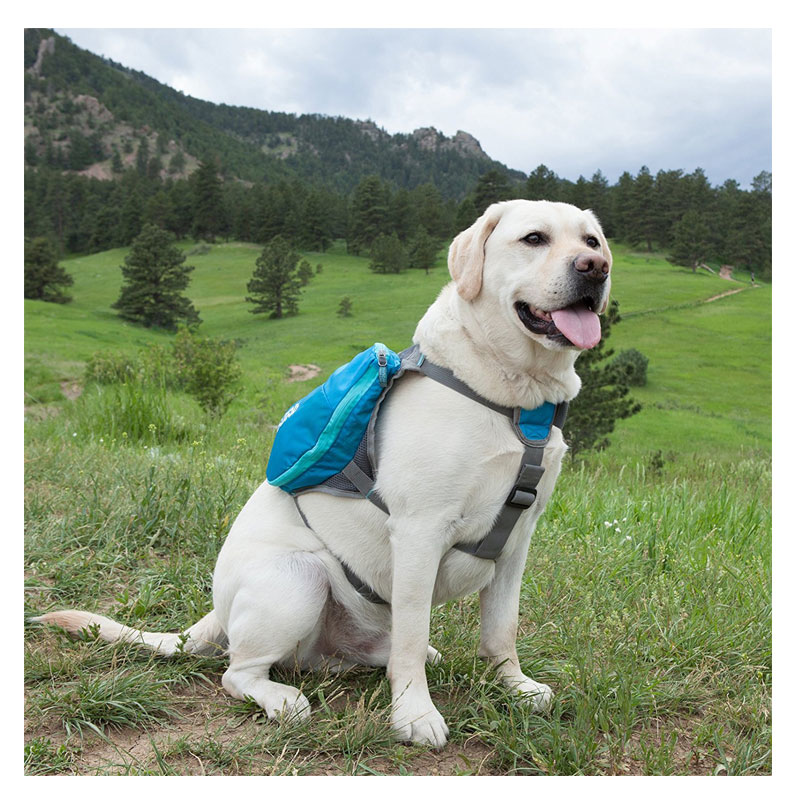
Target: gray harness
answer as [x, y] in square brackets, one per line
[357, 479]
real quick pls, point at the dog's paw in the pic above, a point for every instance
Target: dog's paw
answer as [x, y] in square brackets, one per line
[282, 702]
[419, 723]
[539, 696]
[434, 656]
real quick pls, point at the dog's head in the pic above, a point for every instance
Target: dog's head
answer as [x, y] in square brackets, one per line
[547, 265]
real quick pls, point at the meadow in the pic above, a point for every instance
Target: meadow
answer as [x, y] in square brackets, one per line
[646, 602]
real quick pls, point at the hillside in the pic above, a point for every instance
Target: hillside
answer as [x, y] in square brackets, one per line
[81, 109]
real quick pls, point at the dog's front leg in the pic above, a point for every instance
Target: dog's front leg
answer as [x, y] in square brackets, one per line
[415, 562]
[499, 616]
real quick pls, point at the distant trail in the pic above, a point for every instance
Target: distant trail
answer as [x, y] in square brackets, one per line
[691, 304]
[724, 294]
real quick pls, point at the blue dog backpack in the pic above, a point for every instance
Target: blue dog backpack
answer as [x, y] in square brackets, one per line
[321, 434]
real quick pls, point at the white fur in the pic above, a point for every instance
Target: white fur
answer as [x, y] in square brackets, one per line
[445, 466]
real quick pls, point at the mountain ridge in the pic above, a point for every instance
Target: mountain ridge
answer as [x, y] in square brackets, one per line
[249, 144]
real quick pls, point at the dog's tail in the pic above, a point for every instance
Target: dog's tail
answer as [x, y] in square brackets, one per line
[205, 637]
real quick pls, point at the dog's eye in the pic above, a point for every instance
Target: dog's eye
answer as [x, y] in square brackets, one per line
[535, 239]
[592, 241]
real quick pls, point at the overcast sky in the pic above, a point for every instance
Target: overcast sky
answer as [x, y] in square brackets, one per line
[575, 100]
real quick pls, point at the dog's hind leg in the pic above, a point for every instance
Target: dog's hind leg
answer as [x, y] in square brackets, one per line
[275, 619]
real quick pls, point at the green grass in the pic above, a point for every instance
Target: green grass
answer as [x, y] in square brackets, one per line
[645, 604]
[709, 378]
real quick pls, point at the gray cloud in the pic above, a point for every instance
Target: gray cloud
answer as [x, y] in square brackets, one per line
[576, 100]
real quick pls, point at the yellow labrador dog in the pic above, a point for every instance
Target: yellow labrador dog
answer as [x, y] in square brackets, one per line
[529, 279]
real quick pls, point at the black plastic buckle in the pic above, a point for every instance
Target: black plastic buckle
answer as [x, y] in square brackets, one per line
[521, 498]
[523, 493]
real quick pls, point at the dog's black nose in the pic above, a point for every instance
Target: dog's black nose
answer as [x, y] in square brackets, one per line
[591, 266]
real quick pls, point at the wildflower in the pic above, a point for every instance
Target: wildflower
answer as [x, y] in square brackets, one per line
[74, 434]
[607, 524]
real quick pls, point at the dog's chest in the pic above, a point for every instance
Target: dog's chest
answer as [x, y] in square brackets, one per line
[447, 464]
[460, 465]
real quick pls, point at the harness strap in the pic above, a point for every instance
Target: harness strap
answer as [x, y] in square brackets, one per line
[447, 378]
[362, 587]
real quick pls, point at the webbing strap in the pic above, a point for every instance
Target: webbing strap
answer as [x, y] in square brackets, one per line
[521, 497]
[446, 378]
[362, 587]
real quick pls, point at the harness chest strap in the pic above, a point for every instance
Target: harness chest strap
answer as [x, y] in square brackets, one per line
[524, 490]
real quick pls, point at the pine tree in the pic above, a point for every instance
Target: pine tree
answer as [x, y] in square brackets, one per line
[116, 162]
[209, 215]
[644, 219]
[598, 199]
[543, 184]
[403, 214]
[690, 240]
[492, 187]
[275, 286]
[430, 210]
[466, 214]
[131, 216]
[422, 250]
[142, 155]
[603, 398]
[388, 255]
[316, 228]
[667, 205]
[369, 214]
[154, 276]
[44, 278]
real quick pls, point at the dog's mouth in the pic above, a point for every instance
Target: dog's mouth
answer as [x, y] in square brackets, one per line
[577, 325]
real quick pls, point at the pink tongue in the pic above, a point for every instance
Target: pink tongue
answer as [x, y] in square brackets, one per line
[579, 325]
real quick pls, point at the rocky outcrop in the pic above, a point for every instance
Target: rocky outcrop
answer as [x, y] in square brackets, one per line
[462, 142]
[369, 128]
[46, 46]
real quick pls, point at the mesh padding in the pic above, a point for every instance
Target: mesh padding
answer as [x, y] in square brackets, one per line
[361, 459]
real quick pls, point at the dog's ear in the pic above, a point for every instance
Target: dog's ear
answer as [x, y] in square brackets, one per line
[465, 257]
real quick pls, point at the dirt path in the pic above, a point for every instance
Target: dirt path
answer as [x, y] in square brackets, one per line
[724, 294]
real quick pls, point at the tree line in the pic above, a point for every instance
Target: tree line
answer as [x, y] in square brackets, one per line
[675, 213]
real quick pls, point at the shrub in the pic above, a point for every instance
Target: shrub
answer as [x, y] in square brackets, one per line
[345, 307]
[207, 369]
[633, 366]
[107, 368]
[204, 368]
